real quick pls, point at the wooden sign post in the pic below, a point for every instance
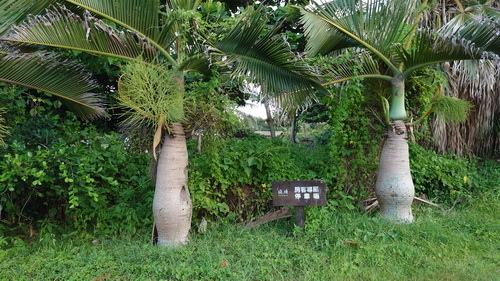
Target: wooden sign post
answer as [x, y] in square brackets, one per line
[299, 194]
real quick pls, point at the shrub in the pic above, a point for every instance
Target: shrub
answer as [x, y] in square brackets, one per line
[59, 171]
[447, 178]
[235, 176]
[354, 143]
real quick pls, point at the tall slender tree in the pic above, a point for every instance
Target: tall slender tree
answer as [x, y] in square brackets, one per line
[167, 38]
[386, 39]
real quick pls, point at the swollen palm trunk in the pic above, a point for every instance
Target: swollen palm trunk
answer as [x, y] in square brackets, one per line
[394, 185]
[172, 202]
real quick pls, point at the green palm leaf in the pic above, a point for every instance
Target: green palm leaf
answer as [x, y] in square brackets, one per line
[61, 28]
[198, 63]
[482, 29]
[267, 59]
[53, 75]
[374, 24]
[486, 36]
[358, 65]
[15, 11]
[323, 42]
[432, 48]
[137, 15]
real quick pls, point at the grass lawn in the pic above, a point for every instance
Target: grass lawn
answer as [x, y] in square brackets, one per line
[459, 245]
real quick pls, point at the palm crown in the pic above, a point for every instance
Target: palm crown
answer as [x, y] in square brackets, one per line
[142, 31]
[388, 30]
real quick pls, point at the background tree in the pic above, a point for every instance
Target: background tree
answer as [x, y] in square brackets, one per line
[3, 129]
[385, 38]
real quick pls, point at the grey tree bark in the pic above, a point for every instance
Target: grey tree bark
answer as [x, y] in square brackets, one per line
[394, 186]
[269, 119]
[172, 205]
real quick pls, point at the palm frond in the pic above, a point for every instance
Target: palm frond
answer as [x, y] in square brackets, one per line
[328, 40]
[14, 11]
[432, 48]
[374, 24]
[358, 64]
[53, 75]
[137, 15]
[266, 59]
[61, 28]
[483, 30]
[198, 63]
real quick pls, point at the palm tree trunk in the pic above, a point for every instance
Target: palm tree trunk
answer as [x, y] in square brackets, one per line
[394, 187]
[172, 202]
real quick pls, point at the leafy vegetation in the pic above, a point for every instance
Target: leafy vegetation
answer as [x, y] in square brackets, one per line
[449, 178]
[3, 129]
[349, 246]
[235, 176]
[76, 196]
[58, 171]
[354, 141]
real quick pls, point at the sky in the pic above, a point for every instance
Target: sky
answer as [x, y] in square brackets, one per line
[254, 108]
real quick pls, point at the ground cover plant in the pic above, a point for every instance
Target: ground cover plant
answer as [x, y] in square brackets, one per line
[458, 245]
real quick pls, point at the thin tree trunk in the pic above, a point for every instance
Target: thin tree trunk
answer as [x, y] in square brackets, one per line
[394, 187]
[269, 119]
[172, 203]
[294, 129]
[199, 141]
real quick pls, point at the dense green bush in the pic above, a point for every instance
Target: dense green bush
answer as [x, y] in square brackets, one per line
[235, 176]
[59, 171]
[447, 178]
[355, 141]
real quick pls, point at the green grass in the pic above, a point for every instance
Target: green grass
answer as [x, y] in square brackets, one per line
[460, 245]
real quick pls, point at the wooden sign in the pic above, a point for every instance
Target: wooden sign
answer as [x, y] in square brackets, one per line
[299, 193]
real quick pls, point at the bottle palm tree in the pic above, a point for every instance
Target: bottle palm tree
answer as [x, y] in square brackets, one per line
[388, 43]
[168, 42]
